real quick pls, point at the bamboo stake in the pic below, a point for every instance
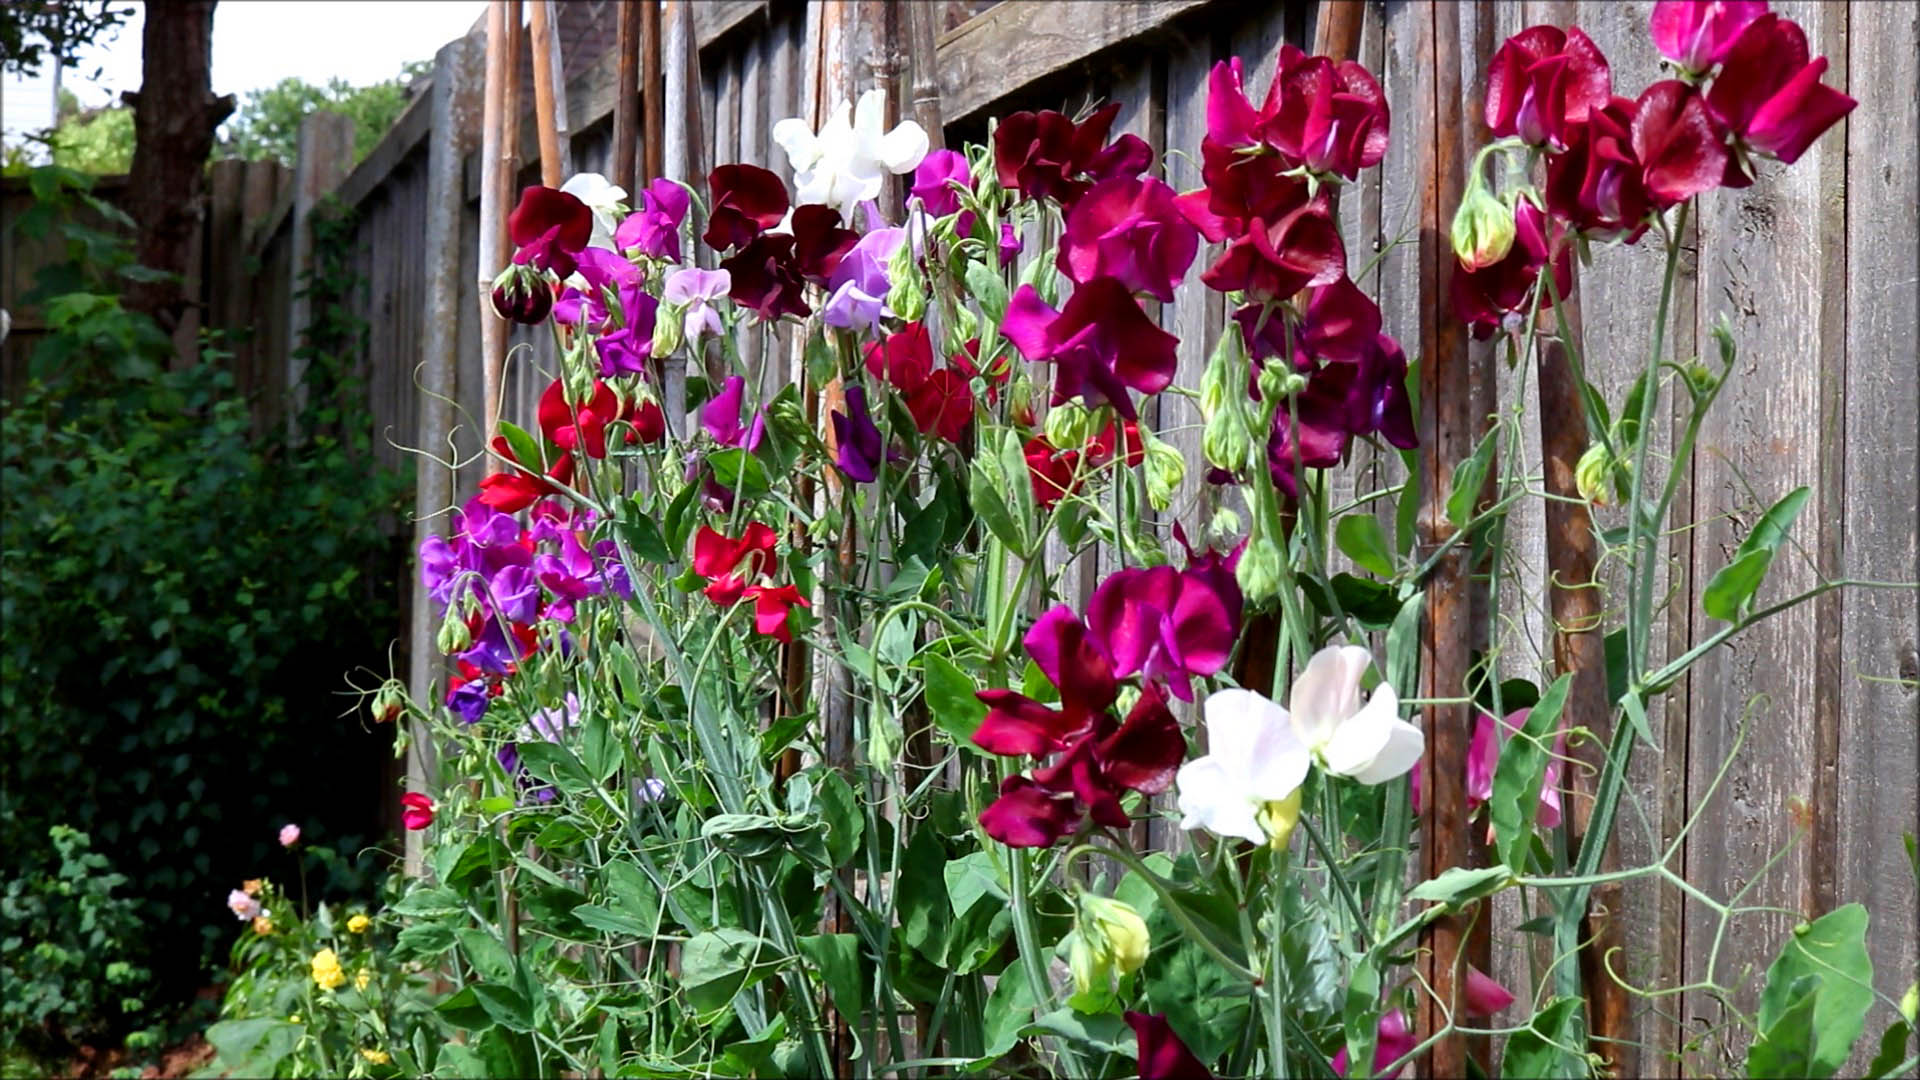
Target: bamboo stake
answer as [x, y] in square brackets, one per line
[923, 55]
[493, 213]
[626, 99]
[1337, 28]
[653, 91]
[549, 99]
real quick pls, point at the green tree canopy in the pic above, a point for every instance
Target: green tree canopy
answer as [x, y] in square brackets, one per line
[267, 124]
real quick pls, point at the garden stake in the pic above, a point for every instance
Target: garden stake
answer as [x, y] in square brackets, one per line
[549, 107]
[627, 96]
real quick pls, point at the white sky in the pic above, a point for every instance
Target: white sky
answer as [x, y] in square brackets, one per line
[256, 43]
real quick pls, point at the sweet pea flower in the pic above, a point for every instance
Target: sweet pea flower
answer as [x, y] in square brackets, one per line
[1259, 752]
[1162, 1055]
[243, 906]
[859, 285]
[746, 201]
[1168, 625]
[942, 405]
[654, 229]
[1542, 83]
[696, 290]
[1325, 116]
[289, 835]
[1485, 996]
[1680, 144]
[860, 445]
[1497, 297]
[903, 358]
[601, 197]
[626, 351]
[1697, 35]
[513, 490]
[1272, 261]
[1596, 186]
[765, 277]
[845, 164]
[1769, 94]
[721, 416]
[1129, 229]
[549, 228]
[934, 181]
[1393, 1040]
[729, 564]
[418, 813]
[649, 790]
[1010, 245]
[1100, 345]
[1046, 154]
[551, 725]
[1483, 755]
[772, 607]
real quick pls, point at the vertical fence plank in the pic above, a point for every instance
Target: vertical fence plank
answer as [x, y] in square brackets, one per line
[325, 158]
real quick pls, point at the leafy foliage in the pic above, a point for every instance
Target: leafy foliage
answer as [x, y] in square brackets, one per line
[267, 124]
[37, 31]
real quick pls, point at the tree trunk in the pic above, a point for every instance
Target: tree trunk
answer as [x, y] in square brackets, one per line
[174, 117]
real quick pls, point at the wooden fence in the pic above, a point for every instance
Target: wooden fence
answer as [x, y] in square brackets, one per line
[1815, 266]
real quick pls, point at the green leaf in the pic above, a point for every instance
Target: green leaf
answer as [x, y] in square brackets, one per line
[505, 1004]
[1360, 538]
[600, 751]
[1102, 1033]
[1460, 885]
[988, 287]
[845, 820]
[1831, 951]
[1734, 584]
[254, 1047]
[739, 472]
[718, 964]
[427, 903]
[1205, 1005]
[1520, 773]
[837, 958]
[616, 921]
[1771, 530]
[642, 533]
[525, 448]
[1783, 1049]
[1550, 1046]
[1009, 1010]
[679, 523]
[1468, 477]
[426, 940]
[1360, 1018]
[1893, 1050]
[555, 764]
[487, 956]
[924, 913]
[950, 699]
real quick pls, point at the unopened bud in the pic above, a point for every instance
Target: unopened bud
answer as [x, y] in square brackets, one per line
[907, 294]
[1166, 470]
[1277, 819]
[668, 330]
[522, 294]
[1278, 381]
[1020, 402]
[1592, 475]
[1223, 528]
[1087, 970]
[1259, 571]
[1225, 442]
[389, 702]
[1122, 930]
[1482, 228]
[454, 637]
[1069, 425]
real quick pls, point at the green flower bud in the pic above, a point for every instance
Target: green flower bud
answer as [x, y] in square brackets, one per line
[1166, 470]
[668, 330]
[1225, 442]
[1592, 474]
[1122, 934]
[1277, 819]
[389, 702]
[907, 293]
[1069, 425]
[1482, 228]
[1088, 971]
[454, 637]
[1223, 528]
[1259, 570]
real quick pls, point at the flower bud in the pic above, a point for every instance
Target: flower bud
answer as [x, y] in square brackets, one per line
[389, 702]
[454, 637]
[1166, 470]
[1223, 528]
[1482, 228]
[1259, 571]
[1020, 402]
[1279, 381]
[907, 295]
[668, 330]
[1591, 475]
[1225, 442]
[1277, 819]
[522, 294]
[1087, 970]
[1121, 930]
[1069, 425]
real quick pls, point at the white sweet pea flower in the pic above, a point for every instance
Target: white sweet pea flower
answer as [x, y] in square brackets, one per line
[843, 165]
[1260, 752]
[605, 198]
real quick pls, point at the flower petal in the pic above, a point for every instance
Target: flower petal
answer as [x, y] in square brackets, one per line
[1328, 691]
[1209, 799]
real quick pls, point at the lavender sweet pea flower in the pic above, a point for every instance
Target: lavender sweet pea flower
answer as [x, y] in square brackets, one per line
[860, 444]
[509, 758]
[859, 284]
[553, 725]
[440, 568]
[698, 289]
[655, 228]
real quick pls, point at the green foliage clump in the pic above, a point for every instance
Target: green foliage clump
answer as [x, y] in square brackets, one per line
[183, 598]
[267, 124]
[69, 949]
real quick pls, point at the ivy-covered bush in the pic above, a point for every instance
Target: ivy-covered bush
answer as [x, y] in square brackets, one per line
[183, 599]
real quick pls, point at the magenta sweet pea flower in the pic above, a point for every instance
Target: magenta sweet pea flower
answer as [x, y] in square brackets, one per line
[1393, 1041]
[1086, 779]
[1770, 94]
[1162, 1055]
[1483, 755]
[1331, 117]
[1166, 625]
[1596, 186]
[721, 417]
[1681, 145]
[601, 271]
[1274, 261]
[1129, 229]
[860, 446]
[1101, 344]
[934, 179]
[1542, 83]
[418, 812]
[655, 228]
[1485, 997]
[1010, 244]
[625, 351]
[1695, 34]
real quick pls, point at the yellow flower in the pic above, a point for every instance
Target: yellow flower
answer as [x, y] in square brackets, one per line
[361, 978]
[294, 1019]
[326, 970]
[377, 1057]
[262, 924]
[358, 924]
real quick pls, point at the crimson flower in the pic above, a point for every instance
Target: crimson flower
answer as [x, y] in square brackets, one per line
[1046, 154]
[1343, 399]
[1051, 471]
[767, 278]
[747, 201]
[549, 227]
[585, 426]
[966, 362]
[1542, 83]
[1770, 95]
[942, 405]
[1596, 186]
[1274, 261]
[1324, 116]
[1681, 146]
[772, 607]
[729, 564]
[820, 242]
[1238, 188]
[903, 358]
[1162, 1055]
[1696, 35]
[419, 810]
[1131, 230]
[1101, 344]
[513, 490]
[1168, 625]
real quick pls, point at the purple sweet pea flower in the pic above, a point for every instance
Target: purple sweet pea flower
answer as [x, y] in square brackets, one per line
[655, 227]
[600, 270]
[469, 700]
[625, 351]
[698, 289]
[509, 758]
[861, 446]
[1100, 345]
[553, 725]
[517, 593]
[859, 284]
[440, 568]
[721, 416]
[934, 178]
[493, 649]
[570, 576]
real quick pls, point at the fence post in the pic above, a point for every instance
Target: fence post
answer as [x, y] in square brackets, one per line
[457, 76]
[325, 157]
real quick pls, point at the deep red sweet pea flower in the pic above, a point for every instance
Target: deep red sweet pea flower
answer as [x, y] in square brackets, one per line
[772, 605]
[819, 241]
[1331, 118]
[747, 201]
[729, 563]
[942, 405]
[1681, 146]
[1051, 471]
[584, 426]
[1274, 261]
[966, 362]
[1695, 34]
[419, 811]
[649, 423]
[1496, 297]
[1542, 82]
[1129, 229]
[1770, 95]
[513, 490]
[1072, 659]
[1166, 625]
[1162, 1055]
[766, 277]
[1239, 187]
[1028, 815]
[1597, 186]
[1101, 344]
[1122, 437]
[544, 210]
[1046, 154]
[903, 358]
